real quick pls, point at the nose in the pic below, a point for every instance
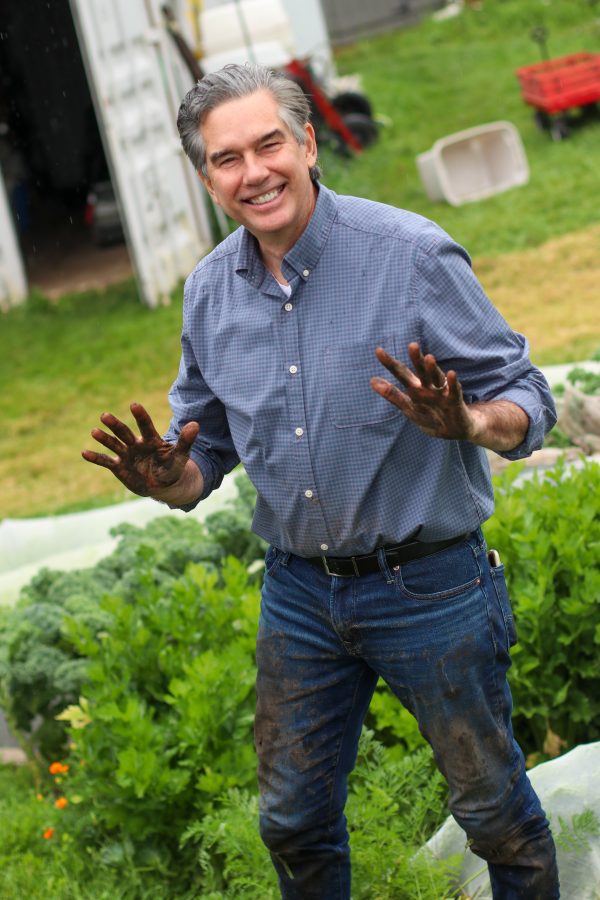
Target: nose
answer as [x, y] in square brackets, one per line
[255, 171]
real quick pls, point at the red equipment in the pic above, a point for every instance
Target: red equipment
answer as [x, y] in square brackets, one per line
[348, 116]
[556, 85]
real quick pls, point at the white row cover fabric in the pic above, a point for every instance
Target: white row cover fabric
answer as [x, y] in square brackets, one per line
[78, 540]
[567, 786]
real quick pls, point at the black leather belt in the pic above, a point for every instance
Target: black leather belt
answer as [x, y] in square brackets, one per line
[367, 563]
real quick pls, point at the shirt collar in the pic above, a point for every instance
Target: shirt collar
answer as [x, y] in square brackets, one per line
[303, 257]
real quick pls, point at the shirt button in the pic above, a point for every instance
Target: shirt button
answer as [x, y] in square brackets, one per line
[299, 433]
[306, 273]
[308, 494]
[293, 369]
[288, 307]
[324, 546]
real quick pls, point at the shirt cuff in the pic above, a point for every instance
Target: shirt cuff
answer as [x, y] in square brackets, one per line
[212, 480]
[539, 424]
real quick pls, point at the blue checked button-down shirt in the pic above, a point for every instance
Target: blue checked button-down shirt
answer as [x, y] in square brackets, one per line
[283, 384]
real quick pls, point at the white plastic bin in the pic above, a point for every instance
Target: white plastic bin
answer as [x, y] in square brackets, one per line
[231, 26]
[472, 164]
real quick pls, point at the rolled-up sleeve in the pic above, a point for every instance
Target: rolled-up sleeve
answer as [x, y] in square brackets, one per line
[192, 400]
[466, 333]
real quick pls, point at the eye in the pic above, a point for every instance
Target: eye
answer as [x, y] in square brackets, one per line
[226, 161]
[271, 147]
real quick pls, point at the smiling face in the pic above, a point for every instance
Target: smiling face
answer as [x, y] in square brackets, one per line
[256, 170]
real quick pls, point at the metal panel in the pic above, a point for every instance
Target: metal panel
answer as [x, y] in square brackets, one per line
[348, 20]
[132, 73]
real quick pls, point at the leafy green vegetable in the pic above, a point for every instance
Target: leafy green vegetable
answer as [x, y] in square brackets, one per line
[547, 531]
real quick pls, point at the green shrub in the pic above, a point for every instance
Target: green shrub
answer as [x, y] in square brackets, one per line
[394, 725]
[547, 530]
[39, 861]
[165, 724]
[41, 671]
[394, 807]
[587, 382]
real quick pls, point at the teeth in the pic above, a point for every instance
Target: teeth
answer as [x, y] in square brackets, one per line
[264, 198]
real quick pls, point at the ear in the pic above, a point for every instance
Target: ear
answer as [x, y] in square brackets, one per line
[310, 144]
[208, 185]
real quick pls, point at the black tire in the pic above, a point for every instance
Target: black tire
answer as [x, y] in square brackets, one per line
[352, 102]
[542, 120]
[559, 129]
[362, 127]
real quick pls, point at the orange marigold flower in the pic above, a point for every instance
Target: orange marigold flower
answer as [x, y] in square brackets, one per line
[61, 802]
[49, 832]
[57, 768]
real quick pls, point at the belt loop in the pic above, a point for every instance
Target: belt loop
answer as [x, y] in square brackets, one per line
[383, 565]
[285, 557]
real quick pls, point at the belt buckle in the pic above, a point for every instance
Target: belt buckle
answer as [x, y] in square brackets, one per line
[338, 574]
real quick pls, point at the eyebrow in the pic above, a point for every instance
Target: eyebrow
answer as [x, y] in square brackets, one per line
[265, 138]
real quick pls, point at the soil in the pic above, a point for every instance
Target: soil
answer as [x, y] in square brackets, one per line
[65, 260]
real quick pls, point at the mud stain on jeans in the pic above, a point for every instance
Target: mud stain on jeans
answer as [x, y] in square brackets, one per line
[270, 688]
[292, 731]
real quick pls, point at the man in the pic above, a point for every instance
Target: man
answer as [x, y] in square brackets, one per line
[371, 491]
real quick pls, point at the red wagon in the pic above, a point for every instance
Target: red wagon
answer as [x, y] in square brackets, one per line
[557, 85]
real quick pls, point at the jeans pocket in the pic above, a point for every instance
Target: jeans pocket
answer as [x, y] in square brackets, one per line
[448, 573]
[501, 591]
[272, 559]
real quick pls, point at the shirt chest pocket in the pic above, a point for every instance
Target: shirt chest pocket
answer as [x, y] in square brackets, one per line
[350, 397]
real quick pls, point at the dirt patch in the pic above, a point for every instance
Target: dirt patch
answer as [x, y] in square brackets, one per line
[67, 261]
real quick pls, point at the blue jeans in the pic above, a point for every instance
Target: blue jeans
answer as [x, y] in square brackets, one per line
[438, 630]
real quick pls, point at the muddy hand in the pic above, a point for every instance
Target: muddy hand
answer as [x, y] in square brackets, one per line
[146, 463]
[429, 397]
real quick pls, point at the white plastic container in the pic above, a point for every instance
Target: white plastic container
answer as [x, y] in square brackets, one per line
[251, 30]
[472, 164]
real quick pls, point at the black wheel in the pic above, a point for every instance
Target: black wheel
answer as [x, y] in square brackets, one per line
[362, 127]
[542, 120]
[559, 129]
[352, 102]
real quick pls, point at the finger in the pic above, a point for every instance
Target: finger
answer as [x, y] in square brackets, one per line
[109, 441]
[418, 361]
[100, 459]
[121, 430]
[398, 369]
[392, 393]
[435, 378]
[145, 423]
[187, 436]
[427, 368]
[454, 386]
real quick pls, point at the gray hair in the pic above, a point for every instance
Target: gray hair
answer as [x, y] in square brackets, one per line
[230, 83]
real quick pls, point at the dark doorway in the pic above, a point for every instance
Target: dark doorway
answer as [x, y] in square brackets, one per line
[51, 152]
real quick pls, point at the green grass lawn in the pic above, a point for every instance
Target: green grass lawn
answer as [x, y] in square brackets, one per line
[66, 363]
[441, 77]
[62, 364]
